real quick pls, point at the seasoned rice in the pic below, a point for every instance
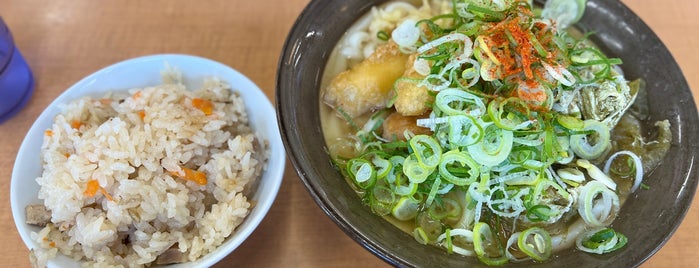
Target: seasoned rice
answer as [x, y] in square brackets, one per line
[120, 174]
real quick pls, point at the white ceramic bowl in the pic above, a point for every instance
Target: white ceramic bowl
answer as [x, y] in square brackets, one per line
[140, 72]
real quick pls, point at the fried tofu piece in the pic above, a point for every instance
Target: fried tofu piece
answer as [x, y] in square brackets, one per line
[412, 99]
[368, 85]
[395, 125]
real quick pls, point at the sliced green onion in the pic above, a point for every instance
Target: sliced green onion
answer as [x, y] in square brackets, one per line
[512, 241]
[520, 154]
[533, 164]
[637, 167]
[570, 122]
[433, 191]
[537, 46]
[415, 172]
[445, 187]
[362, 172]
[485, 13]
[448, 243]
[384, 166]
[448, 209]
[458, 168]
[405, 209]
[596, 173]
[485, 49]
[450, 238]
[536, 243]
[532, 140]
[494, 148]
[427, 150]
[565, 153]
[581, 144]
[529, 177]
[405, 187]
[597, 212]
[464, 130]
[382, 200]
[551, 147]
[509, 114]
[557, 201]
[420, 236]
[539, 213]
[600, 241]
[396, 168]
[383, 194]
[459, 102]
[504, 206]
[486, 245]
[571, 176]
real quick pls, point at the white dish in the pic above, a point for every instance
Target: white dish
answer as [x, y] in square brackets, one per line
[140, 72]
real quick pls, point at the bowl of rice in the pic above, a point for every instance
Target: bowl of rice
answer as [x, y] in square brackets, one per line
[158, 160]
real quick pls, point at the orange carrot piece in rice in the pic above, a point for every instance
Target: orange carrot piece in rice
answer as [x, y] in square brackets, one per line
[195, 176]
[76, 124]
[192, 175]
[106, 195]
[141, 114]
[92, 187]
[204, 105]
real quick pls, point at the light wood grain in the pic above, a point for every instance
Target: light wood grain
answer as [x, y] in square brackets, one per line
[64, 41]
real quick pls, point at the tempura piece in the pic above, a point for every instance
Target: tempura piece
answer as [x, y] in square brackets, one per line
[395, 125]
[411, 98]
[367, 86]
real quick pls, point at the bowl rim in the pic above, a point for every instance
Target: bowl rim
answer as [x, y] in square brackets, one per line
[261, 121]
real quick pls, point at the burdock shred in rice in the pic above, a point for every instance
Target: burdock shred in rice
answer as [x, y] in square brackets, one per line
[153, 175]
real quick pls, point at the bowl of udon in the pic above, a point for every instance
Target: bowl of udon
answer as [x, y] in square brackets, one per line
[450, 133]
[162, 160]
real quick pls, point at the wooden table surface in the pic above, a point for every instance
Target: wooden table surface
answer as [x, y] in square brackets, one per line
[64, 41]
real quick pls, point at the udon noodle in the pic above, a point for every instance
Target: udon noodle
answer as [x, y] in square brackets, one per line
[486, 129]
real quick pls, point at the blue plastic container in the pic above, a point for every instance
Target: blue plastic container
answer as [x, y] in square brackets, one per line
[16, 80]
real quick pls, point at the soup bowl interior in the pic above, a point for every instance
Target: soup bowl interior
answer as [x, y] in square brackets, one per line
[648, 218]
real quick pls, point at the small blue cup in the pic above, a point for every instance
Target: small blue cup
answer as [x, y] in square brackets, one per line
[16, 80]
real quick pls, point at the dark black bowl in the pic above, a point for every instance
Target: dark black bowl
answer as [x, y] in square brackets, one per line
[648, 217]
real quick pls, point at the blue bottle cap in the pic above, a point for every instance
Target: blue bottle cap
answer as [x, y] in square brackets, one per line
[16, 80]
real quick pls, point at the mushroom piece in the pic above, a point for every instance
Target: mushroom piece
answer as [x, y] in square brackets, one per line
[37, 215]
